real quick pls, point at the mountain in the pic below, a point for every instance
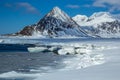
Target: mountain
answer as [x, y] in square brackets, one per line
[81, 19]
[96, 18]
[54, 24]
[102, 24]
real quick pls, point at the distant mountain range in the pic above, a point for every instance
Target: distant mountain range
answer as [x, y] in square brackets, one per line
[57, 24]
[102, 24]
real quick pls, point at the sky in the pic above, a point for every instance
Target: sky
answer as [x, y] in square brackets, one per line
[16, 14]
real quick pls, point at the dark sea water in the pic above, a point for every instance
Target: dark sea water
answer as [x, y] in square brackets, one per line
[15, 57]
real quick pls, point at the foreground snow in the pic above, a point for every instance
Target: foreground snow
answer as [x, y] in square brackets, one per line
[102, 63]
[107, 71]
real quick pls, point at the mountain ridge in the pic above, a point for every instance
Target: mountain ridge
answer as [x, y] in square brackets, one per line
[56, 23]
[102, 24]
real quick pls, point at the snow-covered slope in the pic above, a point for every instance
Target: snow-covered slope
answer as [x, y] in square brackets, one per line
[102, 24]
[81, 19]
[96, 18]
[100, 17]
[54, 24]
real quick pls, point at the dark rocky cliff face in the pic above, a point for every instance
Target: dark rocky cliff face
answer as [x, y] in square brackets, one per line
[107, 28]
[110, 27]
[28, 30]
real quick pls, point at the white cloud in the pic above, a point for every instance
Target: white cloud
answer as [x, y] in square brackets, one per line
[27, 7]
[112, 5]
[73, 6]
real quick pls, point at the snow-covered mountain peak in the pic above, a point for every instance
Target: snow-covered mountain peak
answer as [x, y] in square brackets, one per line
[57, 9]
[81, 17]
[101, 14]
[96, 19]
[100, 17]
[57, 13]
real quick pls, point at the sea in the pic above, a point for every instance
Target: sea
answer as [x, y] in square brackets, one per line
[15, 57]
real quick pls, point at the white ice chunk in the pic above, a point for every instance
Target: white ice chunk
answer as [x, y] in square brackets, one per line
[79, 51]
[67, 50]
[36, 49]
[1, 40]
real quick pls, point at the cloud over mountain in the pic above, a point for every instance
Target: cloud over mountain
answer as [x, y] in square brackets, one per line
[112, 5]
[24, 6]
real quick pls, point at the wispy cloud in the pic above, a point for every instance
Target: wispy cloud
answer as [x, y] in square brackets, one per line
[73, 6]
[27, 7]
[112, 5]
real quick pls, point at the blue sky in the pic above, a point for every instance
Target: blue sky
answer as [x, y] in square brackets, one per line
[16, 14]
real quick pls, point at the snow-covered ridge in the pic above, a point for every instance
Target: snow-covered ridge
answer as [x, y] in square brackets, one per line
[102, 24]
[81, 18]
[95, 19]
[101, 14]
